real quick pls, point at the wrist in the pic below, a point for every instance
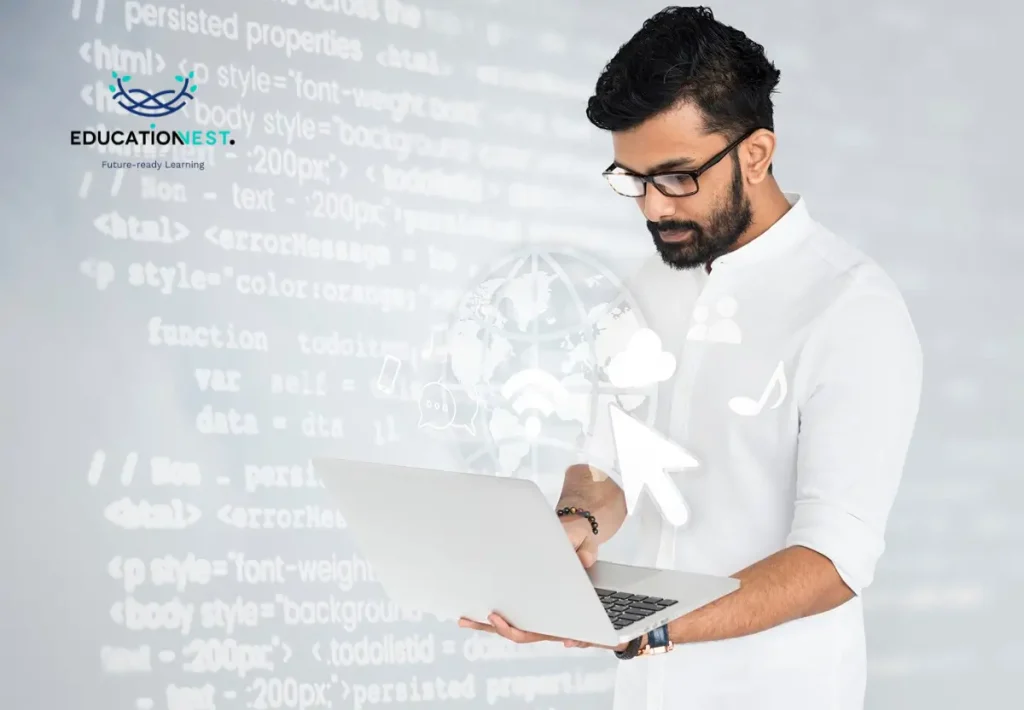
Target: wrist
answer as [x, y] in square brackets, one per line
[574, 502]
[656, 642]
[630, 649]
[571, 512]
[672, 633]
[574, 522]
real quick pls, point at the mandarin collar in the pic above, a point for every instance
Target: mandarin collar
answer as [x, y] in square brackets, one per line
[787, 231]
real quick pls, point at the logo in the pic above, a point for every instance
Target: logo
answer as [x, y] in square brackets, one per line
[148, 105]
[150, 141]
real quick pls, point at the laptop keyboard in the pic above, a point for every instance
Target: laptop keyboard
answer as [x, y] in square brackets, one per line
[624, 609]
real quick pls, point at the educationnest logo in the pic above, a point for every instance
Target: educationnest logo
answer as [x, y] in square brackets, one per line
[141, 102]
[149, 105]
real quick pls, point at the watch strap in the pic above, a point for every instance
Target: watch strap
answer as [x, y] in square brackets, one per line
[657, 642]
[658, 637]
[631, 650]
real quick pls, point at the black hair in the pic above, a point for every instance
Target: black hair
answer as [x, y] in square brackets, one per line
[683, 54]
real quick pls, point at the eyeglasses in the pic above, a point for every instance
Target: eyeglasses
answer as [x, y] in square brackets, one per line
[678, 183]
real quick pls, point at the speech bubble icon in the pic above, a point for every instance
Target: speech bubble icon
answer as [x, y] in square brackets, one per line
[437, 406]
[465, 416]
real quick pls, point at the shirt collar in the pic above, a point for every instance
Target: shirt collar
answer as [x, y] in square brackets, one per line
[787, 231]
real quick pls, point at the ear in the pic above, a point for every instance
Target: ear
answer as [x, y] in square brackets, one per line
[757, 154]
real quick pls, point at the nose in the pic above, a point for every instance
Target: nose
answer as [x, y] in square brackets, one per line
[656, 206]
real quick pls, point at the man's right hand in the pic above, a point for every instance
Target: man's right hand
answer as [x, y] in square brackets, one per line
[582, 539]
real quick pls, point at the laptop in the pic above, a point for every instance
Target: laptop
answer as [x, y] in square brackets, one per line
[466, 545]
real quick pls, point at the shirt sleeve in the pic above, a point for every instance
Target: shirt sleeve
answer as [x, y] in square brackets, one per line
[856, 421]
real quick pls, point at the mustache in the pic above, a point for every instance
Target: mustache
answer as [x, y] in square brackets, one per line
[673, 226]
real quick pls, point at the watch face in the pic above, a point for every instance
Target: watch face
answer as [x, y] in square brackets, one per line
[649, 650]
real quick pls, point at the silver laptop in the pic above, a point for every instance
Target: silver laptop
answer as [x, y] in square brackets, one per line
[467, 545]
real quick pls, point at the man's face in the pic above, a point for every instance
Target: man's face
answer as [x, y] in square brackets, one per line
[688, 231]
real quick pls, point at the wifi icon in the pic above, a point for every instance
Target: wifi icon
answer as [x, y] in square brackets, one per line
[533, 390]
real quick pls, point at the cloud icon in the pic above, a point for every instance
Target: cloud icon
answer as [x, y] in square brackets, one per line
[642, 363]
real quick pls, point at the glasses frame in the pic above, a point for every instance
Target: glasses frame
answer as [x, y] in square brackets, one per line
[692, 174]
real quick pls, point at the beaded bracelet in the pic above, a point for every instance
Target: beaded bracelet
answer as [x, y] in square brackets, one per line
[579, 511]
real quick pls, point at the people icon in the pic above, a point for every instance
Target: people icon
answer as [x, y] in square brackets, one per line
[723, 330]
[699, 329]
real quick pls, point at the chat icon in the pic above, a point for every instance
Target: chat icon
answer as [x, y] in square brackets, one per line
[465, 415]
[437, 406]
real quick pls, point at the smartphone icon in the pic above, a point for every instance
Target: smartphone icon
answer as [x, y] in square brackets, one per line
[388, 374]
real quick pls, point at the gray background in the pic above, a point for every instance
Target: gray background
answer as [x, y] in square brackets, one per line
[897, 122]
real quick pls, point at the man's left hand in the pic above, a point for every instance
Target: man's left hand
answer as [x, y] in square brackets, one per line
[500, 626]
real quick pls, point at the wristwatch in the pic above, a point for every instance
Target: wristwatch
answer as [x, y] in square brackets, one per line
[657, 642]
[650, 644]
[631, 650]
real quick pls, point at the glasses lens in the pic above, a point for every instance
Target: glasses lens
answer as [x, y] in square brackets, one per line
[625, 184]
[676, 184]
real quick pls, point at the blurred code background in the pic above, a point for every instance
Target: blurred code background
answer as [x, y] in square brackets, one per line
[179, 342]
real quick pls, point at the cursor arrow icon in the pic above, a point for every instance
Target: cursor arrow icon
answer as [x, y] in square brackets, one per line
[646, 459]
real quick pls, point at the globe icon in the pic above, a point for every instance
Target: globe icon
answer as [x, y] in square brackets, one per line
[528, 351]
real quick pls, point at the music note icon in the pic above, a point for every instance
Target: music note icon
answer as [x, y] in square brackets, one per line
[749, 407]
[435, 351]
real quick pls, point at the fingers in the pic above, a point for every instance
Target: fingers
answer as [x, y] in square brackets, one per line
[587, 552]
[568, 643]
[475, 625]
[587, 557]
[503, 628]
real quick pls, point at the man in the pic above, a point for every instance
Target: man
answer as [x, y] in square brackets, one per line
[797, 387]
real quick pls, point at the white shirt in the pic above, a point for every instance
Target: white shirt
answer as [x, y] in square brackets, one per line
[814, 460]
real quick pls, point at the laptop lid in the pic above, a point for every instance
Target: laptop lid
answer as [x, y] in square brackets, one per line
[459, 544]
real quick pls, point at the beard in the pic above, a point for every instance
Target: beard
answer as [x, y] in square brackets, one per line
[706, 242]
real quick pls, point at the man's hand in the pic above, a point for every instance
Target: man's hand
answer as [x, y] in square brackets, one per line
[501, 627]
[582, 539]
[504, 629]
